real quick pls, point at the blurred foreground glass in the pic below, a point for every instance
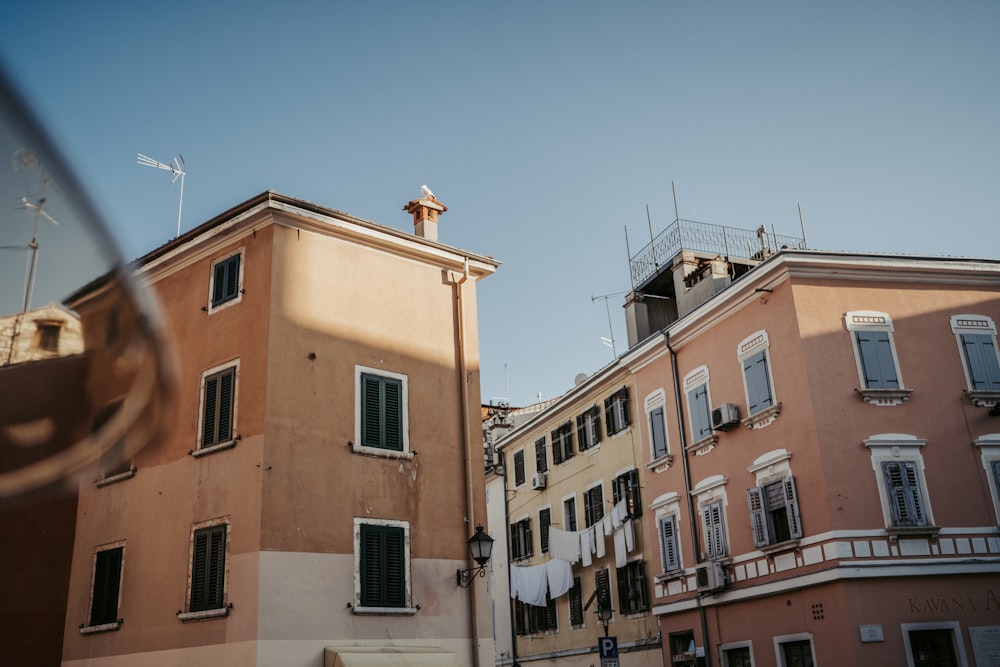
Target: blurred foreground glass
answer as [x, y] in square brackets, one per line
[84, 381]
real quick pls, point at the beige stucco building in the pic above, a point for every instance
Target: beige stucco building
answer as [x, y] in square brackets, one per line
[569, 481]
[314, 500]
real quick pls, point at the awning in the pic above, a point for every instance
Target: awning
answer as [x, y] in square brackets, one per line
[388, 656]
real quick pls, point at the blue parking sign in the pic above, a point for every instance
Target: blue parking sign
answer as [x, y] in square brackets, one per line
[607, 647]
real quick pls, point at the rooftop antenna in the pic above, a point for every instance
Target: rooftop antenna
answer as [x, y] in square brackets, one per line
[23, 159]
[176, 167]
[610, 342]
[802, 224]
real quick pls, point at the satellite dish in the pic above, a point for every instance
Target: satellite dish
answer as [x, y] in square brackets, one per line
[579, 379]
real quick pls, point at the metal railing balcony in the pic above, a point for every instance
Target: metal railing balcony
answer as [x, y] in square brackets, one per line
[727, 242]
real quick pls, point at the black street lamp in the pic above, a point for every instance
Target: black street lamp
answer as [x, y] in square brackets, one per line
[604, 612]
[481, 546]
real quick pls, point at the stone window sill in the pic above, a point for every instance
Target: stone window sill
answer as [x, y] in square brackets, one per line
[896, 532]
[661, 464]
[704, 446]
[885, 397]
[780, 547]
[120, 477]
[763, 418]
[384, 611]
[206, 615]
[222, 446]
[103, 627]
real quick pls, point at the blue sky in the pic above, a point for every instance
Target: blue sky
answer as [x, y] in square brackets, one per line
[545, 127]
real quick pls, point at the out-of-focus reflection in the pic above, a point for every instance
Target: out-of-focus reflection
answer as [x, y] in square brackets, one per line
[82, 374]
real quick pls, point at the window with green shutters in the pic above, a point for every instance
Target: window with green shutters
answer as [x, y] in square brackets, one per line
[878, 362]
[218, 403]
[208, 568]
[562, 443]
[593, 505]
[616, 411]
[588, 428]
[226, 280]
[383, 565]
[107, 586]
[382, 412]
[576, 603]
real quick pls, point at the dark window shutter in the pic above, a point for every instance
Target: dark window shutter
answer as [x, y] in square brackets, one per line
[602, 583]
[544, 521]
[658, 432]
[593, 500]
[232, 277]
[383, 566]
[225, 427]
[219, 284]
[381, 412]
[541, 459]
[981, 357]
[877, 362]
[210, 412]
[107, 579]
[208, 568]
[557, 447]
[519, 468]
[576, 603]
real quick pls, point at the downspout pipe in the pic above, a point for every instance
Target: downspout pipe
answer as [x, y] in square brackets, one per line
[678, 395]
[470, 508]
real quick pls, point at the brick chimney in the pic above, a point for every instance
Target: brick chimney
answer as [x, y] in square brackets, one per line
[425, 216]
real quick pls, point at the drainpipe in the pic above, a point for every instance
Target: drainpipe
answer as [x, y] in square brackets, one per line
[687, 488]
[469, 505]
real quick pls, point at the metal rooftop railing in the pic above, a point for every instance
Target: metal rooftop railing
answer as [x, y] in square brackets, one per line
[727, 242]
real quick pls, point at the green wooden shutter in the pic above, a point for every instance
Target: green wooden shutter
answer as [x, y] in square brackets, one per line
[227, 382]
[219, 284]
[557, 447]
[381, 412]
[208, 568]
[576, 603]
[210, 412]
[541, 459]
[602, 583]
[544, 521]
[107, 579]
[383, 566]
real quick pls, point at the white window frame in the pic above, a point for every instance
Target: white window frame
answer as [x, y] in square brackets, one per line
[88, 629]
[200, 450]
[699, 376]
[239, 286]
[956, 633]
[900, 447]
[356, 446]
[668, 507]
[223, 611]
[983, 325]
[729, 646]
[858, 321]
[408, 609]
[654, 401]
[989, 452]
[788, 639]
[576, 512]
[708, 492]
[768, 469]
[754, 344]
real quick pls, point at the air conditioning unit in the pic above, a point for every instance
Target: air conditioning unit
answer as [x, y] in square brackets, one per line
[538, 480]
[710, 576]
[725, 417]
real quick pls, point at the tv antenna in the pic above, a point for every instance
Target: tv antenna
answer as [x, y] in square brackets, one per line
[176, 167]
[610, 342]
[23, 159]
